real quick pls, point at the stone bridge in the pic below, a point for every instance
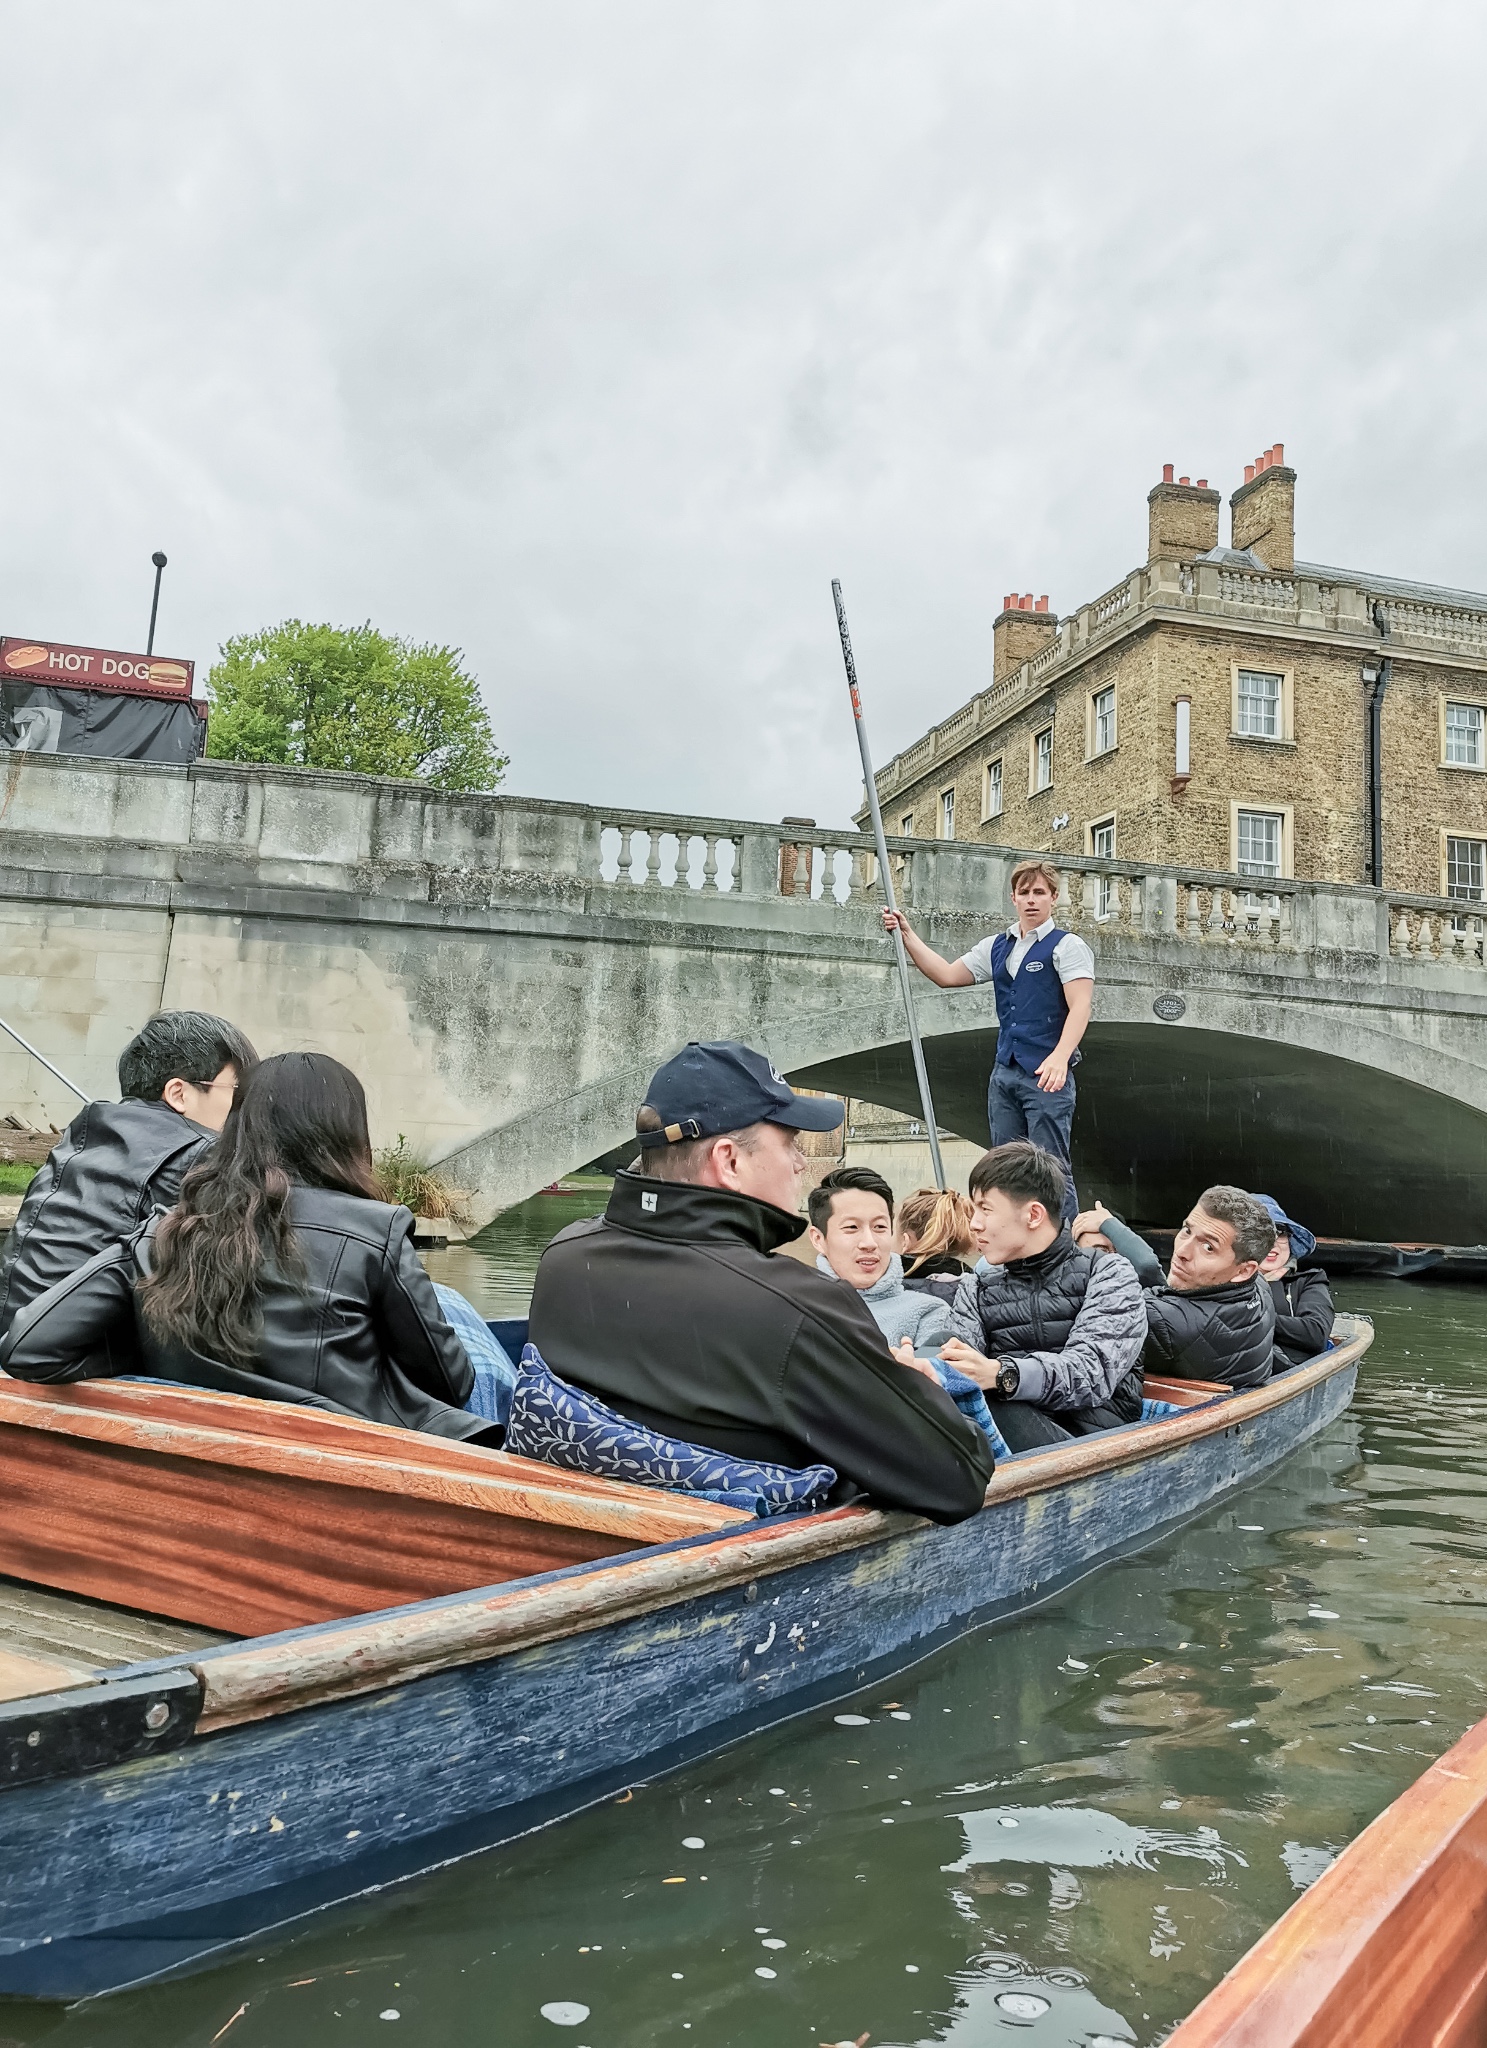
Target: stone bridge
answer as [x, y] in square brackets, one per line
[505, 973]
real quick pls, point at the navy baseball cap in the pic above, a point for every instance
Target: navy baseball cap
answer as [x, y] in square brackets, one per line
[723, 1086]
[1303, 1241]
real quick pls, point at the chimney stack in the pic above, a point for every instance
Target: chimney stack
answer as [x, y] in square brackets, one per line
[1184, 518]
[1024, 628]
[1263, 511]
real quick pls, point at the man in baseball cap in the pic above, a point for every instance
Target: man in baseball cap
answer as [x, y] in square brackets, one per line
[671, 1309]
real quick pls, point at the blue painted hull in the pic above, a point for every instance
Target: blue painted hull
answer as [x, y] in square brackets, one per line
[158, 1864]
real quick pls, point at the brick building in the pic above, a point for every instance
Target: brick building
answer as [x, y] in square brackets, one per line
[1226, 708]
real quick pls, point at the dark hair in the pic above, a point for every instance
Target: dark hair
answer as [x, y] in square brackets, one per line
[1254, 1232]
[685, 1159]
[300, 1117]
[1023, 1171]
[181, 1045]
[840, 1181]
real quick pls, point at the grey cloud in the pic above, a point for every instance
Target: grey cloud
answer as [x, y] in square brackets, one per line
[596, 339]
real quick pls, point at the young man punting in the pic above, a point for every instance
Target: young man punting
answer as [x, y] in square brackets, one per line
[1051, 1332]
[670, 1308]
[1044, 983]
[1210, 1317]
[118, 1161]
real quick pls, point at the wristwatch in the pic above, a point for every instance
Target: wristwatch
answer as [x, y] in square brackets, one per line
[1008, 1380]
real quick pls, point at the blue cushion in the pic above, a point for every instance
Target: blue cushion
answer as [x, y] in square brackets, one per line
[561, 1425]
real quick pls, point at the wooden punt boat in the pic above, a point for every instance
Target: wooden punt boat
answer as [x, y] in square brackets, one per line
[1388, 1949]
[384, 1651]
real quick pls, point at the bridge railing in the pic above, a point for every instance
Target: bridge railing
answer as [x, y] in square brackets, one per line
[711, 856]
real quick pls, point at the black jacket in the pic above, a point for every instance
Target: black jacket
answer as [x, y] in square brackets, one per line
[113, 1165]
[1303, 1316]
[363, 1336]
[940, 1276]
[1072, 1322]
[1222, 1333]
[670, 1309]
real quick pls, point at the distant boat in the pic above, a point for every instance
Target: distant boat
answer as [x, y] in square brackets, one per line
[1388, 1949]
[439, 1647]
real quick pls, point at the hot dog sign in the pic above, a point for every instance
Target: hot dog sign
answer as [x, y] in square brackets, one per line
[93, 668]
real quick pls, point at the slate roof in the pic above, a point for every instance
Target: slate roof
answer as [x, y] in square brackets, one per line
[1397, 586]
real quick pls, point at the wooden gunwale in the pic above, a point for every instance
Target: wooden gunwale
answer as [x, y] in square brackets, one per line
[1388, 1949]
[342, 1660]
[398, 1466]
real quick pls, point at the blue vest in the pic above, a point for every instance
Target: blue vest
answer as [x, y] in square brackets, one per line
[1030, 1005]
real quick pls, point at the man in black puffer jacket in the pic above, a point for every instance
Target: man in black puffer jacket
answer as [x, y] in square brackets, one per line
[1052, 1333]
[1210, 1317]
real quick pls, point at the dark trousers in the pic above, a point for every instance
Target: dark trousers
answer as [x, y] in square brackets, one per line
[1016, 1107]
[1027, 1428]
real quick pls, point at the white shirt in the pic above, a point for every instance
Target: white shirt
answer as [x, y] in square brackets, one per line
[1071, 956]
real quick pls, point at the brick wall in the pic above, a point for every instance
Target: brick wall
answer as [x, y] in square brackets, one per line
[1318, 771]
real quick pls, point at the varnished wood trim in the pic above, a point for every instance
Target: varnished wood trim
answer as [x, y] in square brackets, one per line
[1388, 1949]
[20, 1676]
[518, 1487]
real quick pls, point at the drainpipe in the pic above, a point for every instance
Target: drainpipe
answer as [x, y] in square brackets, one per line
[1376, 677]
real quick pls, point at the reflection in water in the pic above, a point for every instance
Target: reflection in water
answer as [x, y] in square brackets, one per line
[1182, 1742]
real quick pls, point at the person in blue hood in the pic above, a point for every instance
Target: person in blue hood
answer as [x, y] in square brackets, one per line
[1303, 1299]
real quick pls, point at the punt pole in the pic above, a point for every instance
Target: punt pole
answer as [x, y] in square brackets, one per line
[26, 1043]
[921, 1073]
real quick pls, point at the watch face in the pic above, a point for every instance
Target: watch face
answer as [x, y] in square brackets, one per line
[1008, 1380]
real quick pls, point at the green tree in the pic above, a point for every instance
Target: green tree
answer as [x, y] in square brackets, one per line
[351, 698]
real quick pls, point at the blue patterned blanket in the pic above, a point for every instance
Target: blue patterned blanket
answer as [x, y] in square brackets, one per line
[561, 1425]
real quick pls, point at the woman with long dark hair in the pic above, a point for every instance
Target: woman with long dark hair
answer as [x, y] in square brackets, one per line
[279, 1273]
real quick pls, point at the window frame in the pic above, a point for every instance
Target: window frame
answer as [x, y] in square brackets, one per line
[1286, 707]
[946, 813]
[999, 763]
[1106, 895]
[1093, 751]
[1034, 787]
[1287, 815]
[1469, 839]
[1477, 704]
[906, 825]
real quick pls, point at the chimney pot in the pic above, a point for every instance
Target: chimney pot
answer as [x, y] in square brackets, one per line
[1042, 604]
[1167, 472]
[1202, 483]
[1249, 472]
[1184, 479]
[1279, 451]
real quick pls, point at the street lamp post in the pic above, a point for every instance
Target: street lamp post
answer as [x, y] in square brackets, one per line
[159, 560]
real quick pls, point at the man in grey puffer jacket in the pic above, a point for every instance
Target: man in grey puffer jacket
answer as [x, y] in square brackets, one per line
[1052, 1333]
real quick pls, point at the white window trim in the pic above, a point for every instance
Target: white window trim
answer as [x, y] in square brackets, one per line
[1287, 815]
[906, 825]
[1092, 751]
[987, 814]
[1034, 787]
[940, 813]
[1461, 767]
[1447, 834]
[1112, 819]
[1287, 734]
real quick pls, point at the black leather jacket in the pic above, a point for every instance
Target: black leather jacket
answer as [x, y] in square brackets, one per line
[670, 1309]
[1304, 1315]
[364, 1336]
[113, 1165]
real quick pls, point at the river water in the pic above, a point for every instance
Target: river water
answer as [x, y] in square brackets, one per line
[1093, 1812]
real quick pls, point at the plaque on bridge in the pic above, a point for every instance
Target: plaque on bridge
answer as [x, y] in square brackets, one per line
[1169, 1006]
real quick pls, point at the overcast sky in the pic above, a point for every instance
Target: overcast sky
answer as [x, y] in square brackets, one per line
[596, 338]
